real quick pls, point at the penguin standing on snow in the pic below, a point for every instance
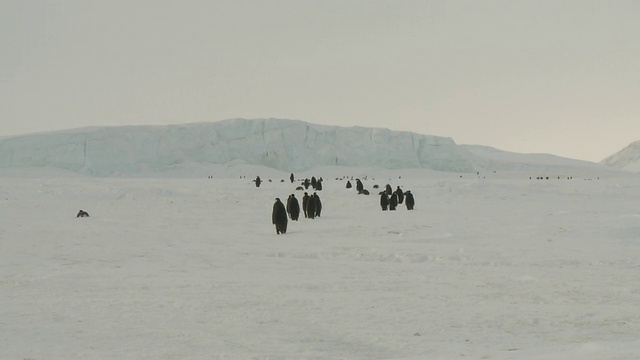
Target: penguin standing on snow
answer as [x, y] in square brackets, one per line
[279, 217]
[305, 202]
[409, 201]
[393, 201]
[384, 201]
[400, 195]
[293, 207]
[318, 204]
[359, 186]
[311, 207]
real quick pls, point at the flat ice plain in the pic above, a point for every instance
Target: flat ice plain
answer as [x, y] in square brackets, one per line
[496, 266]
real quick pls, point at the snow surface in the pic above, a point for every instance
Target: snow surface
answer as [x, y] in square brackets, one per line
[494, 266]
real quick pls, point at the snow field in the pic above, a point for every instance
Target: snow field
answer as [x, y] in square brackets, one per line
[193, 269]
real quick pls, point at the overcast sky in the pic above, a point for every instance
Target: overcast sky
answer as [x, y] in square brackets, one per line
[559, 77]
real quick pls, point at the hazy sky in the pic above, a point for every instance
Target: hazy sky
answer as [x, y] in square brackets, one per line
[559, 77]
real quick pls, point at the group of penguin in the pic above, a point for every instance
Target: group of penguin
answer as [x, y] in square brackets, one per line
[311, 207]
[389, 199]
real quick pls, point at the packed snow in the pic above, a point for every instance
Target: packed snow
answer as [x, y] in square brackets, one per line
[492, 265]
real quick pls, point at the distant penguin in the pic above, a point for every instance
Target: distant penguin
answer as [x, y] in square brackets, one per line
[384, 201]
[400, 195]
[393, 201]
[293, 207]
[279, 217]
[318, 204]
[409, 200]
[305, 202]
[311, 207]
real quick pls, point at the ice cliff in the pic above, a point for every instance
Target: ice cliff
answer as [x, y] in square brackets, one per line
[286, 145]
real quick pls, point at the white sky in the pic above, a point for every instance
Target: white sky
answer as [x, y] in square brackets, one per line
[560, 77]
